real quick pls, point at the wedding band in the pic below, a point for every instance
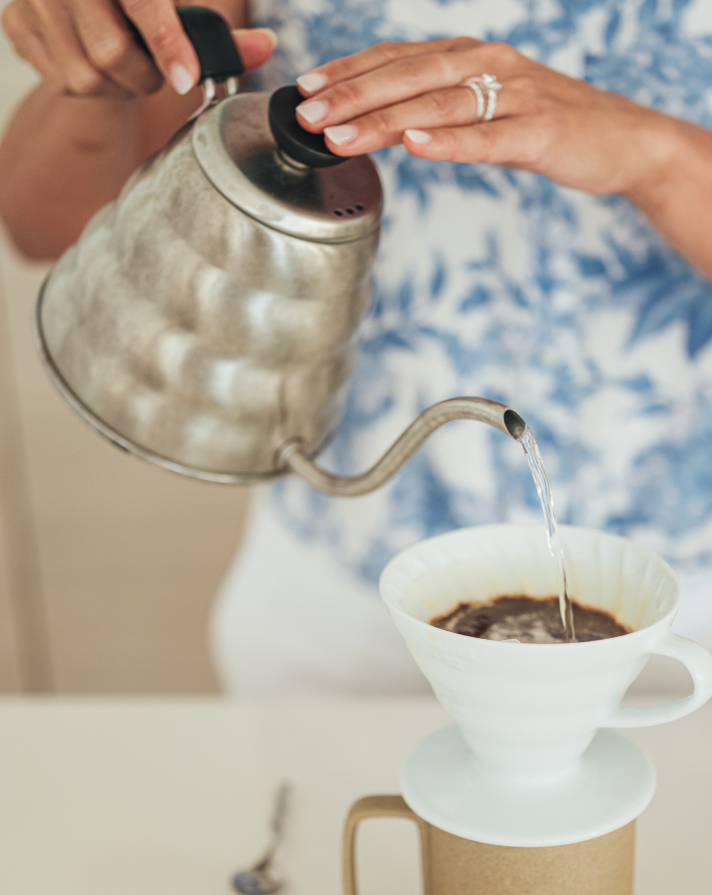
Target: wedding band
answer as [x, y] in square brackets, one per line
[479, 85]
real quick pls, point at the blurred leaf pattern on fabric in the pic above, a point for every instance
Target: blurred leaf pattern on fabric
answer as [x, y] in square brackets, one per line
[500, 283]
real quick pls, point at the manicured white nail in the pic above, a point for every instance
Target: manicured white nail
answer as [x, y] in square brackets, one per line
[312, 82]
[313, 111]
[180, 79]
[341, 133]
[271, 34]
[418, 136]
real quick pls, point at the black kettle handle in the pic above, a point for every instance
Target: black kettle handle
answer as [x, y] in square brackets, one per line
[219, 60]
[212, 41]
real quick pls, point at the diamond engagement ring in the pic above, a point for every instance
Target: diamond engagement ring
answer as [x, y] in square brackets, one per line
[482, 85]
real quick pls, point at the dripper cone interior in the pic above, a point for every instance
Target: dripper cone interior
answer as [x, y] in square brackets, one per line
[636, 587]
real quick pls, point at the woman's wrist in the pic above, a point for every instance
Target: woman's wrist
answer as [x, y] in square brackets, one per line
[658, 149]
[64, 157]
[674, 189]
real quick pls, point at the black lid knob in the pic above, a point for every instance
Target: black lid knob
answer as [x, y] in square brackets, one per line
[292, 139]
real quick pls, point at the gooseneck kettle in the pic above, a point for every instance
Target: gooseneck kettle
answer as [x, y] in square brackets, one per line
[207, 319]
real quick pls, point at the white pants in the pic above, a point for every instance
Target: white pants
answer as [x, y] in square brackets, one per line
[290, 620]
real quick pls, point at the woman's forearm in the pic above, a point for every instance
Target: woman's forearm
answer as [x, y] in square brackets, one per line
[62, 158]
[100, 110]
[675, 193]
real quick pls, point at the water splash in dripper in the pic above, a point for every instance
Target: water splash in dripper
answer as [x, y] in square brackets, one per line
[531, 452]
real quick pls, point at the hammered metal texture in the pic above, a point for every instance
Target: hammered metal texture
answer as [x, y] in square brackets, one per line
[202, 338]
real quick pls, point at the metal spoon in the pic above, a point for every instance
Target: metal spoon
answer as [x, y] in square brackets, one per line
[259, 879]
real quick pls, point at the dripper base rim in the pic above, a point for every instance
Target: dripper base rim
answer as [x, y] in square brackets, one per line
[612, 785]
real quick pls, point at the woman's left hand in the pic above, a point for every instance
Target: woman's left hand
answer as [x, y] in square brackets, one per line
[414, 93]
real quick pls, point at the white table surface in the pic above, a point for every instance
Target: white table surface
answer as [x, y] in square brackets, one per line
[169, 796]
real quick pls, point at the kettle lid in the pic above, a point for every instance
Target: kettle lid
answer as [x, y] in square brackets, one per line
[300, 145]
[236, 150]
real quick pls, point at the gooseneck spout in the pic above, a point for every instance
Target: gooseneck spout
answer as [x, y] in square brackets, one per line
[292, 456]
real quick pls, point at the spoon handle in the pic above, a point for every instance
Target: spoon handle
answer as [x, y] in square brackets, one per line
[281, 803]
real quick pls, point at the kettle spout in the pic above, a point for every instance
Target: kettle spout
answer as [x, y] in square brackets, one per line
[292, 456]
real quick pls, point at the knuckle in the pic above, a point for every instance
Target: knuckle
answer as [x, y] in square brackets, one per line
[13, 21]
[524, 84]
[412, 68]
[390, 50]
[348, 93]
[444, 104]
[502, 52]
[83, 81]
[164, 40]
[485, 143]
[464, 43]
[447, 69]
[163, 35]
[109, 52]
[381, 120]
[44, 11]
[448, 151]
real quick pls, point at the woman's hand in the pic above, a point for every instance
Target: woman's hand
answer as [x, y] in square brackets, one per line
[413, 93]
[86, 48]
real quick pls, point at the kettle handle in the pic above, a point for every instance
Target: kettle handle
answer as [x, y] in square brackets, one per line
[291, 455]
[220, 61]
[212, 41]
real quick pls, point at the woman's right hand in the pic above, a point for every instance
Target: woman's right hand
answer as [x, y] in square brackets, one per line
[85, 47]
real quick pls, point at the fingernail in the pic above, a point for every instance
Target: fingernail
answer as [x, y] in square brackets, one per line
[313, 111]
[418, 136]
[271, 34]
[180, 79]
[312, 82]
[342, 133]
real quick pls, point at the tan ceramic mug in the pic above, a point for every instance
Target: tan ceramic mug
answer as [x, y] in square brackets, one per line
[456, 866]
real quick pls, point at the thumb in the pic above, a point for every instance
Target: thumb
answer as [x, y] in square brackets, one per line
[255, 45]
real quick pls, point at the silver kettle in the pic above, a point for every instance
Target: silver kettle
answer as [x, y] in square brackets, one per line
[207, 319]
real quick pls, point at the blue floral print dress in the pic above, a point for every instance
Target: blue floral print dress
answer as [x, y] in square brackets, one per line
[570, 308]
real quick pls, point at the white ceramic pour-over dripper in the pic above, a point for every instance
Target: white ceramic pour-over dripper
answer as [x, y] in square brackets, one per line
[522, 766]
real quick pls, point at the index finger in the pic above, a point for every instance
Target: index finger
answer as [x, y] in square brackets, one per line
[173, 53]
[376, 57]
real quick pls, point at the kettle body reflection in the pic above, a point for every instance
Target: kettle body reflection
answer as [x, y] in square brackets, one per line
[203, 333]
[207, 319]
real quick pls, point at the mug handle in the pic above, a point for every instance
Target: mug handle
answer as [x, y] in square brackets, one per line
[379, 806]
[698, 662]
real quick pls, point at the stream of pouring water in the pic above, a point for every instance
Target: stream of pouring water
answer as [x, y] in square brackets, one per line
[531, 452]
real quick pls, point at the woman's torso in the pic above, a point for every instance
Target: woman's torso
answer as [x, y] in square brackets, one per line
[499, 283]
